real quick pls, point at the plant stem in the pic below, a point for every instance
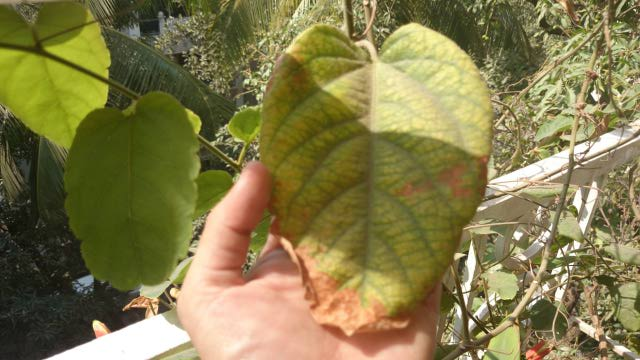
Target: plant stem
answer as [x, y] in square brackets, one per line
[113, 84]
[512, 318]
[243, 153]
[369, 16]
[463, 308]
[347, 9]
[217, 152]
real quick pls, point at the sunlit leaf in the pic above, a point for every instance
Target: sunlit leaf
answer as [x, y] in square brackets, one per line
[377, 166]
[554, 126]
[52, 98]
[505, 346]
[626, 254]
[245, 124]
[628, 306]
[131, 190]
[502, 283]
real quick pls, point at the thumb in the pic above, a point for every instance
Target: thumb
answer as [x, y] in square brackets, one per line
[225, 240]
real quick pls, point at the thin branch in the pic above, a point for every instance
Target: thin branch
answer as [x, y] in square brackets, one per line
[217, 152]
[466, 337]
[347, 10]
[41, 52]
[369, 17]
[591, 306]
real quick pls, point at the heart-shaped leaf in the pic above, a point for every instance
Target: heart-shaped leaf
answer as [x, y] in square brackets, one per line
[50, 97]
[245, 124]
[377, 164]
[131, 188]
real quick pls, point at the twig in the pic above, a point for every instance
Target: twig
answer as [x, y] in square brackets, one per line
[591, 305]
[463, 308]
[369, 17]
[632, 192]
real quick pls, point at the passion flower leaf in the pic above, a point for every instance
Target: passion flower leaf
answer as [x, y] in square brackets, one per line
[52, 98]
[131, 187]
[377, 164]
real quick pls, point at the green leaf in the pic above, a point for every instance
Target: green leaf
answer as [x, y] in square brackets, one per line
[154, 291]
[503, 284]
[505, 346]
[52, 98]
[177, 277]
[552, 127]
[131, 189]
[377, 165]
[628, 306]
[625, 254]
[212, 186]
[569, 227]
[245, 124]
[542, 314]
[179, 273]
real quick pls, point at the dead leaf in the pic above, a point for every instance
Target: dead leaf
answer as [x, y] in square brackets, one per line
[142, 302]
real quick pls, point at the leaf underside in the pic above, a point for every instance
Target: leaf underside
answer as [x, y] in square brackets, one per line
[377, 166]
[131, 187]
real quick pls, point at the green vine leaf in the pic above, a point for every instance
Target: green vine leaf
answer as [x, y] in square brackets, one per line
[49, 97]
[131, 188]
[503, 283]
[505, 346]
[628, 306]
[212, 186]
[377, 165]
[245, 124]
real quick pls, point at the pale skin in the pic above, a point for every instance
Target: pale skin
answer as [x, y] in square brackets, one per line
[263, 315]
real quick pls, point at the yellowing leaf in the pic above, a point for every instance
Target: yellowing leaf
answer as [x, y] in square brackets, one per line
[50, 97]
[377, 164]
[131, 190]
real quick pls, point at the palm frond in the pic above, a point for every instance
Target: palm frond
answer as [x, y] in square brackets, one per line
[122, 13]
[143, 69]
[240, 20]
[12, 180]
[506, 30]
[48, 190]
[449, 17]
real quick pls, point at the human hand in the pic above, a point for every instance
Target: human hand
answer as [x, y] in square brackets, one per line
[263, 315]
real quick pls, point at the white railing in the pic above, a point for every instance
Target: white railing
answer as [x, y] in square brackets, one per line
[162, 336]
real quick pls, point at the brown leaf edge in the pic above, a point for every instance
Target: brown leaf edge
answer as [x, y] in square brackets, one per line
[339, 308]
